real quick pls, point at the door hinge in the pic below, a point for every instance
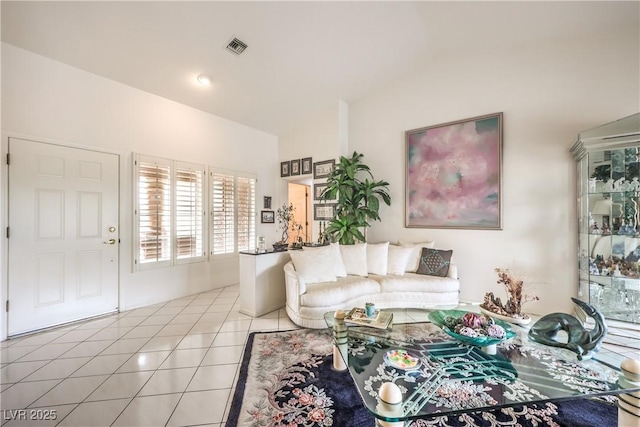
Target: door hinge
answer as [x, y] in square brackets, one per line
[7, 306]
[7, 232]
[8, 158]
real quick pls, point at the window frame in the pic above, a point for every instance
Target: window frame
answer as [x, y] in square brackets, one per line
[201, 171]
[174, 166]
[251, 213]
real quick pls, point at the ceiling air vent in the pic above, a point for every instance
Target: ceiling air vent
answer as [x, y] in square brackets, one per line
[236, 46]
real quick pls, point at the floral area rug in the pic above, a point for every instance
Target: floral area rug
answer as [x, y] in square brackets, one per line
[287, 380]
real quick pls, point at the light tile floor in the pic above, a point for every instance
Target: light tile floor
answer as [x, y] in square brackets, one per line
[170, 364]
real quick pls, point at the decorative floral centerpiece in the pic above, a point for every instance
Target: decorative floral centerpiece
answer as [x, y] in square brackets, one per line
[516, 298]
[475, 325]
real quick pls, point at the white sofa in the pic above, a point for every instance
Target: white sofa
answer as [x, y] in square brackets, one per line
[327, 279]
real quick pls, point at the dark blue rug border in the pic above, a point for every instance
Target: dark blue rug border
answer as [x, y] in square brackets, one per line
[236, 402]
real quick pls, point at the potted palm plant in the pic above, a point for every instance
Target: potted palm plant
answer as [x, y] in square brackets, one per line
[358, 199]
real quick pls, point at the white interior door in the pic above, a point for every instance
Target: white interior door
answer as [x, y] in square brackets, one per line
[63, 234]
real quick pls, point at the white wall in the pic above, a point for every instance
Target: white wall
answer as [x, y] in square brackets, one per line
[548, 92]
[50, 101]
[322, 137]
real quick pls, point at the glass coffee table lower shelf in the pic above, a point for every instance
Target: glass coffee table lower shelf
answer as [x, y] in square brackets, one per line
[415, 370]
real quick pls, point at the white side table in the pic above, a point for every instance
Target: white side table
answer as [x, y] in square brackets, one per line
[262, 288]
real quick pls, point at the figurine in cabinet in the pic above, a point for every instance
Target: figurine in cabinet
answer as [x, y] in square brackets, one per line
[608, 187]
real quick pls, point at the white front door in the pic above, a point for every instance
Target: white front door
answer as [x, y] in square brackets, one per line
[63, 234]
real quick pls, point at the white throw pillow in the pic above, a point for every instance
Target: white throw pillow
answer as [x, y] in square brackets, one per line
[354, 258]
[397, 259]
[315, 266]
[414, 259]
[338, 265]
[377, 255]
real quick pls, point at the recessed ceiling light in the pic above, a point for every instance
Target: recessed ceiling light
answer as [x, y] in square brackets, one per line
[204, 79]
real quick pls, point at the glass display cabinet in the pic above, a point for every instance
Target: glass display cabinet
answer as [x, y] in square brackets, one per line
[608, 163]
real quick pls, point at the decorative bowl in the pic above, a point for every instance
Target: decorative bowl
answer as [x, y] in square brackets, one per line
[515, 320]
[442, 317]
[280, 247]
[401, 359]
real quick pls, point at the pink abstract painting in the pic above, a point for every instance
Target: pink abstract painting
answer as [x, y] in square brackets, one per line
[453, 174]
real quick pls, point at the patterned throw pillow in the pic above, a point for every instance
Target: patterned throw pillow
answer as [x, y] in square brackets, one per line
[434, 262]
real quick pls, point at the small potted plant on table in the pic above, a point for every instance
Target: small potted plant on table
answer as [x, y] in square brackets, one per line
[285, 217]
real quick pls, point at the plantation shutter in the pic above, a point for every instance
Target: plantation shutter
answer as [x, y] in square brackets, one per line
[246, 213]
[189, 211]
[154, 211]
[222, 213]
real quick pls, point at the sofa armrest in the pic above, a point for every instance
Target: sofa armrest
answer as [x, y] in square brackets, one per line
[294, 286]
[453, 271]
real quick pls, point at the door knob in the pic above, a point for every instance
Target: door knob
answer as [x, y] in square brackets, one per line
[110, 242]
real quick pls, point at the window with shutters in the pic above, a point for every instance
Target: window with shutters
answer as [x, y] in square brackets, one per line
[246, 213]
[153, 211]
[169, 213]
[189, 212]
[222, 213]
[233, 214]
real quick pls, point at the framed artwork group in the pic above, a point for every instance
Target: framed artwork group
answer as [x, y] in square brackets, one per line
[267, 216]
[296, 167]
[322, 211]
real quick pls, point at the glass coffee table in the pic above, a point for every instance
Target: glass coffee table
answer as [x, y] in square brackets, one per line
[415, 370]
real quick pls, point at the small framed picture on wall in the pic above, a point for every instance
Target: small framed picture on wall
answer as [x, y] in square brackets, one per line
[307, 165]
[284, 168]
[323, 169]
[267, 217]
[295, 167]
[318, 188]
[323, 212]
[267, 202]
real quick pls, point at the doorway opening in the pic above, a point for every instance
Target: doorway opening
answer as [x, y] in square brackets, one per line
[299, 196]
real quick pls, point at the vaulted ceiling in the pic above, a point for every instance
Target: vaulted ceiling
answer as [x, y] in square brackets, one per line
[302, 57]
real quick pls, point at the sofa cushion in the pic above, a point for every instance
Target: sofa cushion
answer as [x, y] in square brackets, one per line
[397, 259]
[314, 266]
[413, 282]
[334, 249]
[434, 262]
[332, 293]
[414, 259]
[354, 258]
[377, 255]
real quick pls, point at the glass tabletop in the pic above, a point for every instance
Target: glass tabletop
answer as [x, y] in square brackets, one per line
[438, 375]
